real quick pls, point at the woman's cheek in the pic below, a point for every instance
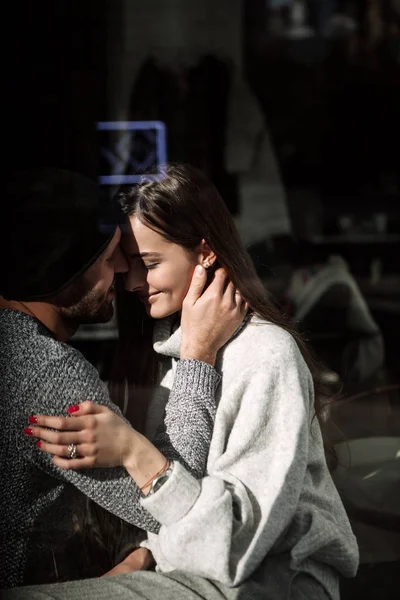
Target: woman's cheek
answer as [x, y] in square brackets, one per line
[157, 277]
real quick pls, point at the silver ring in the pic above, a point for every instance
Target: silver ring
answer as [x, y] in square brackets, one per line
[72, 451]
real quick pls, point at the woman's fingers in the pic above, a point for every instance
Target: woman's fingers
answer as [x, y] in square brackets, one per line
[229, 294]
[60, 437]
[86, 408]
[61, 423]
[196, 285]
[100, 438]
[241, 303]
[217, 284]
[234, 296]
[83, 417]
[85, 455]
[63, 450]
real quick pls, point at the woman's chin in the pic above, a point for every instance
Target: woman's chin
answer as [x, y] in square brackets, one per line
[156, 312]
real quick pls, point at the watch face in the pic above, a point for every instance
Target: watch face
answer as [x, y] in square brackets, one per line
[159, 482]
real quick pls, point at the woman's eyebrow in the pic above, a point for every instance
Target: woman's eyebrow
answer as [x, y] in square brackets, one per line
[144, 254]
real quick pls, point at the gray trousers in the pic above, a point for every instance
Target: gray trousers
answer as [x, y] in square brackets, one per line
[276, 583]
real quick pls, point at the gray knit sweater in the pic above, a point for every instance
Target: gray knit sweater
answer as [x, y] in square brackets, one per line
[267, 490]
[40, 504]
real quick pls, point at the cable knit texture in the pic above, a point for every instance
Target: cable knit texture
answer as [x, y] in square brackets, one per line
[267, 490]
[39, 501]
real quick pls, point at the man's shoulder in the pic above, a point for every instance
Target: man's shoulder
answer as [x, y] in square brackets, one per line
[44, 374]
[65, 377]
[26, 341]
[62, 359]
[46, 354]
[49, 363]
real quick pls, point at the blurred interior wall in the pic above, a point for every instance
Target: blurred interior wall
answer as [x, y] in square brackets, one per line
[181, 31]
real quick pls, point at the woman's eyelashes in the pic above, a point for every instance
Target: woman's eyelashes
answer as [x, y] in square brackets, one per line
[151, 266]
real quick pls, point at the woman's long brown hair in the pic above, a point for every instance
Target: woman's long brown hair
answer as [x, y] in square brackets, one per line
[185, 207]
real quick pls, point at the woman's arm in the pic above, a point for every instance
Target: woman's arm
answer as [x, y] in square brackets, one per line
[189, 416]
[211, 318]
[224, 525]
[267, 489]
[208, 321]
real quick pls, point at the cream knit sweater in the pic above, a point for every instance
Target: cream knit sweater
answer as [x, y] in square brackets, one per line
[267, 489]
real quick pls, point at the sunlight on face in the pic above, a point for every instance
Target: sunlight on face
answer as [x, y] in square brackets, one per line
[160, 271]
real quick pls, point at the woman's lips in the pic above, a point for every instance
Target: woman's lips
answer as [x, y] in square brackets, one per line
[150, 298]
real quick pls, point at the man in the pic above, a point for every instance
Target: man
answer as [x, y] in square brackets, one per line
[59, 249]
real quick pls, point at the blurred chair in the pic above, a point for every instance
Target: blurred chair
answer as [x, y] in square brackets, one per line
[330, 308]
[365, 431]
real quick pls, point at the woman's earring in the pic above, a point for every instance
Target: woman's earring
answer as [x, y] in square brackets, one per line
[206, 265]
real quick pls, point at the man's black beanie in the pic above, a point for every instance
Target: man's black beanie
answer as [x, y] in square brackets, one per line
[54, 224]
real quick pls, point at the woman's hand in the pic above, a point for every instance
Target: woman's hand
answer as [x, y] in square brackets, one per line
[140, 559]
[102, 439]
[211, 317]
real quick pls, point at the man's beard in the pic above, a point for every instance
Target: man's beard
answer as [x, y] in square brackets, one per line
[89, 310]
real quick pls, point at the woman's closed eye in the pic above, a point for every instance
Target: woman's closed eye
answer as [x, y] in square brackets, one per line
[151, 266]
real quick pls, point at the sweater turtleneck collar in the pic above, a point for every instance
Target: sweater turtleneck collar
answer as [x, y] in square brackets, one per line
[167, 335]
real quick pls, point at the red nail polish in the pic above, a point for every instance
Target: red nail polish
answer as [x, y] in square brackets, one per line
[73, 408]
[38, 444]
[33, 420]
[28, 431]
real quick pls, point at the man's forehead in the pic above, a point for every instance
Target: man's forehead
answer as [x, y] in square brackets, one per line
[128, 241]
[114, 241]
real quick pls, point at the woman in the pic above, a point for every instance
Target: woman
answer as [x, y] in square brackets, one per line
[266, 512]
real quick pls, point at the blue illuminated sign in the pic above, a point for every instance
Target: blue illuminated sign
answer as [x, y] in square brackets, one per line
[130, 148]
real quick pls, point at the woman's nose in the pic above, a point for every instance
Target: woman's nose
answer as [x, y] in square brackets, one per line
[135, 278]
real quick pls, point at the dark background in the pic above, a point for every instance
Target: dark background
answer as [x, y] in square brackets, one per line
[332, 108]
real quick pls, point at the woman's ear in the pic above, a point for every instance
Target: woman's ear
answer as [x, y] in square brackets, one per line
[206, 257]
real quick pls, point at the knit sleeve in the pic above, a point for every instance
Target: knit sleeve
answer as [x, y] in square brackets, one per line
[189, 416]
[60, 384]
[223, 525]
[186, 436]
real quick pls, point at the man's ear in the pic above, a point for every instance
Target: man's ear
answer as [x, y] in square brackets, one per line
[206, 257]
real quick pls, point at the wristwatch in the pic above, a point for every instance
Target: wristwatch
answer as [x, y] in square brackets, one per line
[161, 479]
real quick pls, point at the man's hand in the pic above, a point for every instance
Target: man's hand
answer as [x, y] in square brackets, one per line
[211, 317]
[140, 559]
